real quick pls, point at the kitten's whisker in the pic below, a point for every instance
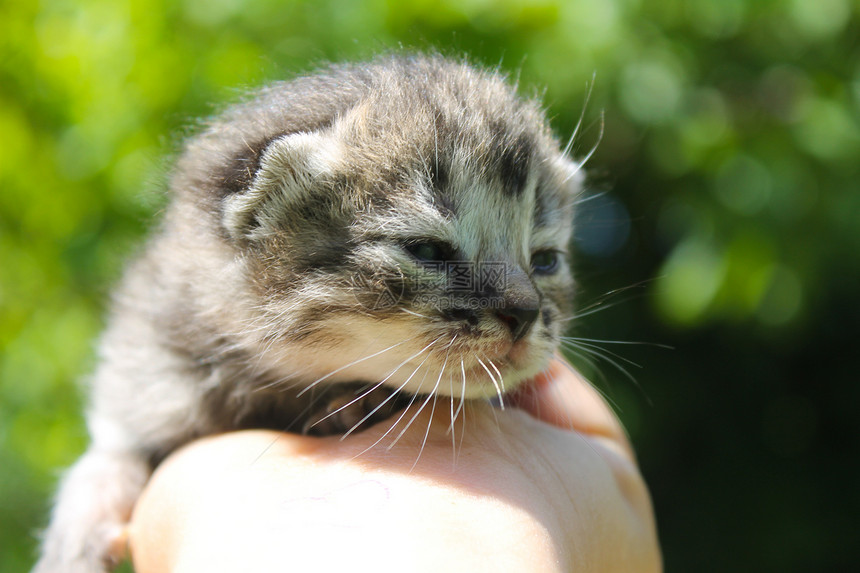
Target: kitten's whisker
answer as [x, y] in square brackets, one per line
[393, 425]
[462, 407]
[398, 390]
[432, 394]
[600, 303]
[251, 369]
[501, 380]
[298, 374]
[305, 411]
[451, 429]
[361, 396]
[567, 148]
[495, 384]
[456, 414]
[626, 342]
[595, 349]
[451, 395]
[462, 390]
[594, 386]
[426, 433]
[353, 363]
[376, 387]
[616, 291]
[585, 358]
[589, 197]
[412, 419]
[413, 313]
[596, 307]
[581, 164]
[602, 354]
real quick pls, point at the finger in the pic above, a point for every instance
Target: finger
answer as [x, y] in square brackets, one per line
[562, 397]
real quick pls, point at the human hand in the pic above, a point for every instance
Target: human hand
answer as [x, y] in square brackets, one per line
[551, 485]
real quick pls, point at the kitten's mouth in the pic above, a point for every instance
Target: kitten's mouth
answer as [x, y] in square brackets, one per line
[504, 356]
[516, 353]
[498, 351]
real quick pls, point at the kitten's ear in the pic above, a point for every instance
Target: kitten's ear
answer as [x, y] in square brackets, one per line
[289, 167]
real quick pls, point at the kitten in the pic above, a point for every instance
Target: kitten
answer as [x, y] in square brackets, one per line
[333, 244]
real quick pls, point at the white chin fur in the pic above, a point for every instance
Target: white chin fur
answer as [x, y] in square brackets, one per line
[397, 358]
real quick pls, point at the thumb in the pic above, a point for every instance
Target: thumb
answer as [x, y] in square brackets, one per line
[560, 396]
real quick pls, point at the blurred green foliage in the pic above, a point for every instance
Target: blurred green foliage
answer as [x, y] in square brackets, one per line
[730, 153]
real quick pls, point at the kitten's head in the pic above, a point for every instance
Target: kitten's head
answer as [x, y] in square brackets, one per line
[405, 220]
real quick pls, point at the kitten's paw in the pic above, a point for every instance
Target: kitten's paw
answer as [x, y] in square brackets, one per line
[88, 529]
[113, 545]
[101, 552]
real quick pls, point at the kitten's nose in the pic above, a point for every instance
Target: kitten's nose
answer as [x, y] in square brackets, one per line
[518, 320]
[522, 303]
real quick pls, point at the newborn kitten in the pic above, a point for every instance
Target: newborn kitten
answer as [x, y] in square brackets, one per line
[332, 245]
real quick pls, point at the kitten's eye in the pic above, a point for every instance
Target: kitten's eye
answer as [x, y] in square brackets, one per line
[545, 262]
[427, 251]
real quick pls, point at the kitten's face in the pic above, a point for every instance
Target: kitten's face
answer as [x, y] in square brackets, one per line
[426, 248]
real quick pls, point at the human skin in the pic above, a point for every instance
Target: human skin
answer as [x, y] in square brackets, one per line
[548, 485]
